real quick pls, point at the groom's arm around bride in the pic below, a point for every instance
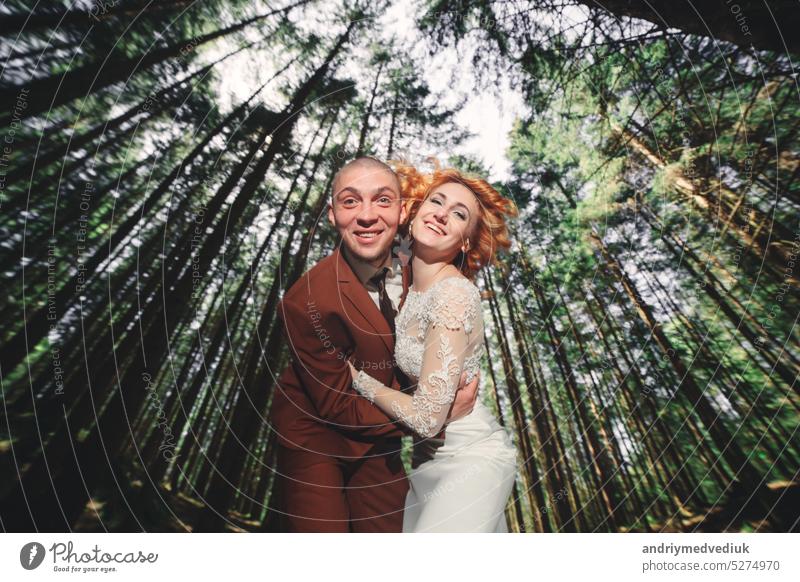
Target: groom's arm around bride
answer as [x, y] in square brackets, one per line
[338, 456]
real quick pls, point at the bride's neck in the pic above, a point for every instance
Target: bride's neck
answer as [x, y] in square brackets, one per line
[426, 273]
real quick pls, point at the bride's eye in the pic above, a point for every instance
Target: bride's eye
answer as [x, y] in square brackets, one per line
[460, 215]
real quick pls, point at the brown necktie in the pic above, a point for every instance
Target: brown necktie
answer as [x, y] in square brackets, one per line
[379, 280]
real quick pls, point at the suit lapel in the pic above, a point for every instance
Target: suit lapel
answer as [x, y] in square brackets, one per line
[358, 297]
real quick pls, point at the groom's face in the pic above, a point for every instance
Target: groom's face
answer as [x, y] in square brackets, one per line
[366, 210]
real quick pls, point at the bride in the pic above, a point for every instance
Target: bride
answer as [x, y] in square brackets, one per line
[460, 484]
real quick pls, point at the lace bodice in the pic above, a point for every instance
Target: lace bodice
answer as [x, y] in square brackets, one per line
[439, 336]
[456, 305]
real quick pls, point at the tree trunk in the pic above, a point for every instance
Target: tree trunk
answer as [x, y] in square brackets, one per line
[42, 95]
[362, 138]
[151, 104]
[15, 23]
[536, 496]
[149, 356]
[742, 469]
[744, 23]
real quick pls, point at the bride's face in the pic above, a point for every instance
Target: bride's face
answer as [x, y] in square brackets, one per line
[445, 220]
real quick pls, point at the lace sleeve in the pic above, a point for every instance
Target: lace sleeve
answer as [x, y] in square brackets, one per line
[452, 321]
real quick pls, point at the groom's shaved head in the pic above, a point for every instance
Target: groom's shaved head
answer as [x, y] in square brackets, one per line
[366, 163]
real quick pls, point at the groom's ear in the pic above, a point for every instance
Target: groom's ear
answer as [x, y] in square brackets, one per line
[330, 215]
[403, 212]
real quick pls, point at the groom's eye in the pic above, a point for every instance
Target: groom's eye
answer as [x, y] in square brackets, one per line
[384, 200]
[349, 202]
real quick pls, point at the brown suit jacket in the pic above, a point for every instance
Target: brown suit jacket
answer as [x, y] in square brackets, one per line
[328, 317]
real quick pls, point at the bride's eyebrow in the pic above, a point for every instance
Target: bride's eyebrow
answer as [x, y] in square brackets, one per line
[443, 195]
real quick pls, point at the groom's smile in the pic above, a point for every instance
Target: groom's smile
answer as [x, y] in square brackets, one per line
[368, 236]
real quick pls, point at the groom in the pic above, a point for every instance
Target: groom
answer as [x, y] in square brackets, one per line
[339, 467]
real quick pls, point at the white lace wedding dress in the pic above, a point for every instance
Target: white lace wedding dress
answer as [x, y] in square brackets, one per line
[461, 483]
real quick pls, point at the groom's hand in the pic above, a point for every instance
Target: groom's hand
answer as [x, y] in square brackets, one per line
[465, 398]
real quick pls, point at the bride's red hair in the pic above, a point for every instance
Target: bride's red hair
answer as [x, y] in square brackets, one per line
[490, 234]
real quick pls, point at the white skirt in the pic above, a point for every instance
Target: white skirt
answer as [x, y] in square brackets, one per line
[465, 484]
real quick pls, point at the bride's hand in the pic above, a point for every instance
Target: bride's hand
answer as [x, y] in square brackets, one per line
[353, 371]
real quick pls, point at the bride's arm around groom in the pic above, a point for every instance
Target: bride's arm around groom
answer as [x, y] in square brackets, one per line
[449, 332]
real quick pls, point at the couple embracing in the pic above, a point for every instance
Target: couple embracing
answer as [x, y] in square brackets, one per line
[385, 345]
